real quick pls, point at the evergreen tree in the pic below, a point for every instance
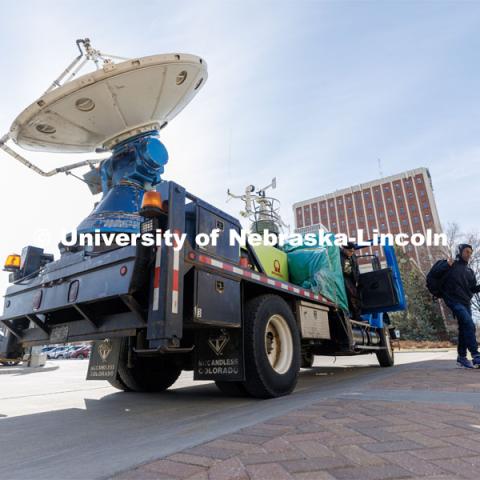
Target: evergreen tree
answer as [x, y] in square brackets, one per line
[422, 319]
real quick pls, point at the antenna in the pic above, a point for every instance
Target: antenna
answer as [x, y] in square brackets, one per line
[380, 170]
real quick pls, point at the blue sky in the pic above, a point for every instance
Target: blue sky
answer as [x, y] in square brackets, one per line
[310, 92]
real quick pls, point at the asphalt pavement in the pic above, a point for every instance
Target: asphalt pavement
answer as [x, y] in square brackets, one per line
[56, 425]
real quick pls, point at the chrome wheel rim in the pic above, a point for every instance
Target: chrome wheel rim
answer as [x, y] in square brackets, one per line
[278, 344]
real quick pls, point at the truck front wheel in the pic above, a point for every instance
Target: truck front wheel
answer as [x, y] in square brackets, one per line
[385, 356]
[307, 359]
[272, 347]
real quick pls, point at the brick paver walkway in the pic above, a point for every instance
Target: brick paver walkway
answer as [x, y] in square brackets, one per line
[347, 439]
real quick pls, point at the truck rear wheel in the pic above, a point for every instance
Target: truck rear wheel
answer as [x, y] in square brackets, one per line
[386, 356]
[117, 383]
[272, 347]
[232, 389]
[147, 374]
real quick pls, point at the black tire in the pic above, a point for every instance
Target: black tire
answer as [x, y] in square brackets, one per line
[268, 318]
[10, 363]
[232, 389]
[307, 359]
[117, 383]
[147, 374]
[386, 357]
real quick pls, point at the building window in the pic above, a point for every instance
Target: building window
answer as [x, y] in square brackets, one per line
[422, 193]
[331, 204]
[389, 200]
[394, 223]
[419, 180]
[340, 201]
[390, 212]
[397, 185]
[425, 204]
[410, 195]
[386, 188]
[404, 221]
[381, 215]
[427, 218]
[413, 208]
[416, 220]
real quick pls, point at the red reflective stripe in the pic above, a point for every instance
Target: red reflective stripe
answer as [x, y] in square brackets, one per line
[264, 279]
[156, 280]
[203, 259]
[175, 281]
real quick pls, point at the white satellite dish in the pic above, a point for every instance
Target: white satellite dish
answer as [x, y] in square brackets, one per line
[109, 105]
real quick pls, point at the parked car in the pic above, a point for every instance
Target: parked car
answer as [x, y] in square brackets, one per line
[83, 352]
[72, 349]
[58, 352]
[48, 349]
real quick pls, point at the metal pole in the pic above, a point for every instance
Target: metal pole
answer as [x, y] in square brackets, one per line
[33, 167]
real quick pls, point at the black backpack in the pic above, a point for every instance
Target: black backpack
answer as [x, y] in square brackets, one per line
[435, 279]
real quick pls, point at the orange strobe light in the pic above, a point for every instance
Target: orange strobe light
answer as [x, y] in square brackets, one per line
[12, 263]
[151, 204]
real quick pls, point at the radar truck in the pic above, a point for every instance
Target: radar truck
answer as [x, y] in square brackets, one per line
[226, 311]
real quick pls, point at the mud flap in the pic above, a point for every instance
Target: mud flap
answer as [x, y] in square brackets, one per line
[104, 359]
[219, 355]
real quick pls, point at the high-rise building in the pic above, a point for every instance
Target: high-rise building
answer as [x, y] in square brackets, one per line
[402, 203]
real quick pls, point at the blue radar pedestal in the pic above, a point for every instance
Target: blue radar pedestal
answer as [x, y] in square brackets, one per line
[135, 164]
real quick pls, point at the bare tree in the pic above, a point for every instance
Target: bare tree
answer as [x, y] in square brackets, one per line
[453, 235]
[473, 238]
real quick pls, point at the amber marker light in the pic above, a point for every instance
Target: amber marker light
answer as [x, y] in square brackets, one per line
[151, 204]
[12, 263]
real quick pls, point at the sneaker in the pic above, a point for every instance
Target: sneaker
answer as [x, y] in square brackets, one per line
[476, 361]
[464, 362]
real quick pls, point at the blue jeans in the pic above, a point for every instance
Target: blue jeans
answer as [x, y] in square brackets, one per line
[466, 328]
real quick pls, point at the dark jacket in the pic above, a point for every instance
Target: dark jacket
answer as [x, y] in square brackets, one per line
[350, 268]
[459, 283]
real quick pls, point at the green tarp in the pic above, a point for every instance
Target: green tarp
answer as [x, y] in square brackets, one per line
[319, 269]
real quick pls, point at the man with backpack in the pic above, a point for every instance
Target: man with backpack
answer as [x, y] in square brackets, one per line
[455, 282]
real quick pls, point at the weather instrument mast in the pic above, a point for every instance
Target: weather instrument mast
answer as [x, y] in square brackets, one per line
[263, 211]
